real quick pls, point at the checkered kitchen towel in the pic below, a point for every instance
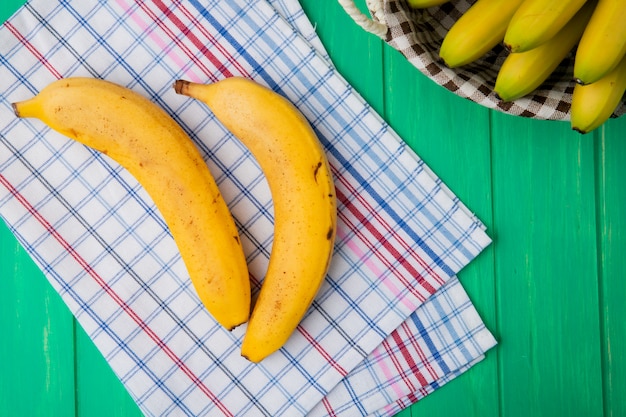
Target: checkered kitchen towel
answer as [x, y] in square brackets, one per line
[418, 33]
[97, 237]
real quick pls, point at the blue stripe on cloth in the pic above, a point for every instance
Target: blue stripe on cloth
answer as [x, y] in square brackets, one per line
[429, 342]
[384, 378]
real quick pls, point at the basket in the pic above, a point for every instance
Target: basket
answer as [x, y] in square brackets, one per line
[417, 34]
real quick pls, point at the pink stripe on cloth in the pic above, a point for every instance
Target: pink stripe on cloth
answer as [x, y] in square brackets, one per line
[170, 49]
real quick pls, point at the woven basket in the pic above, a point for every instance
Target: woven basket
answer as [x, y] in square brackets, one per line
[418, 34]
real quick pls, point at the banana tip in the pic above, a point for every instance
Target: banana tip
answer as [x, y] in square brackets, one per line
[442, 61]
[498, 96]
[246, 357]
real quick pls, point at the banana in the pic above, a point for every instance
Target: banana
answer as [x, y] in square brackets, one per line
[477, 31]
[303, 193]
[421, 4]
[593, 104]
[603, 44]
[522, 72]
[536, 21]
[146, 141]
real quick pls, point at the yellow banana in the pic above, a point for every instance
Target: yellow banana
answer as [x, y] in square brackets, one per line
[603, 44]
[477, 31]
[536, 21]
[593, 104]
[522, 72]
[421, 4]
[303, 193]
[146, 141]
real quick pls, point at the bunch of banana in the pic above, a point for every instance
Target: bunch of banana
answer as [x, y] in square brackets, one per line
[146, 141]
[303, 193]
[539, 35]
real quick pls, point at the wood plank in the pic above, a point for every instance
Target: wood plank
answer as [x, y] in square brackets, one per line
[546, 269]
[99, 391]
[611, 154]
[37, 333]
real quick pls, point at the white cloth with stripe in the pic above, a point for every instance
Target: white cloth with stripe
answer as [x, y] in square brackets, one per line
[370, 343]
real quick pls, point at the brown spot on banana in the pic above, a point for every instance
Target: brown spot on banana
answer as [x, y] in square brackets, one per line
[316, 170]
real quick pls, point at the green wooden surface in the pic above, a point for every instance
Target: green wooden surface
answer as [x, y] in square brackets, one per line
[551, 286]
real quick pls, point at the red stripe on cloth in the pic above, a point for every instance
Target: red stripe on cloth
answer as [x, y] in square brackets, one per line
[396, 363]
[363, 221]
[323, 352]
[111, 293]
[196, 25]
[328, 407]
[403, 243]
[388, 245]
[202, 47]
[404, 351]
[32, 50]
[411, 337]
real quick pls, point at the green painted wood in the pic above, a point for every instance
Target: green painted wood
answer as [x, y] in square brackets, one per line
[99, 392]
[546, 269]
[550, 287]
[36, 346]
[611, 206]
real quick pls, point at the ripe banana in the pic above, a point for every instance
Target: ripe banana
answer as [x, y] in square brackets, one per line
[477, 31]
[594, 103]
[303, 193]
[522, 72]
[146, 141]
[603, 44]
[536, 21]
[421, 4]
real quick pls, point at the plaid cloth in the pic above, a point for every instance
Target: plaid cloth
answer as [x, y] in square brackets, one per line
[96, 235]
[418, 34]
